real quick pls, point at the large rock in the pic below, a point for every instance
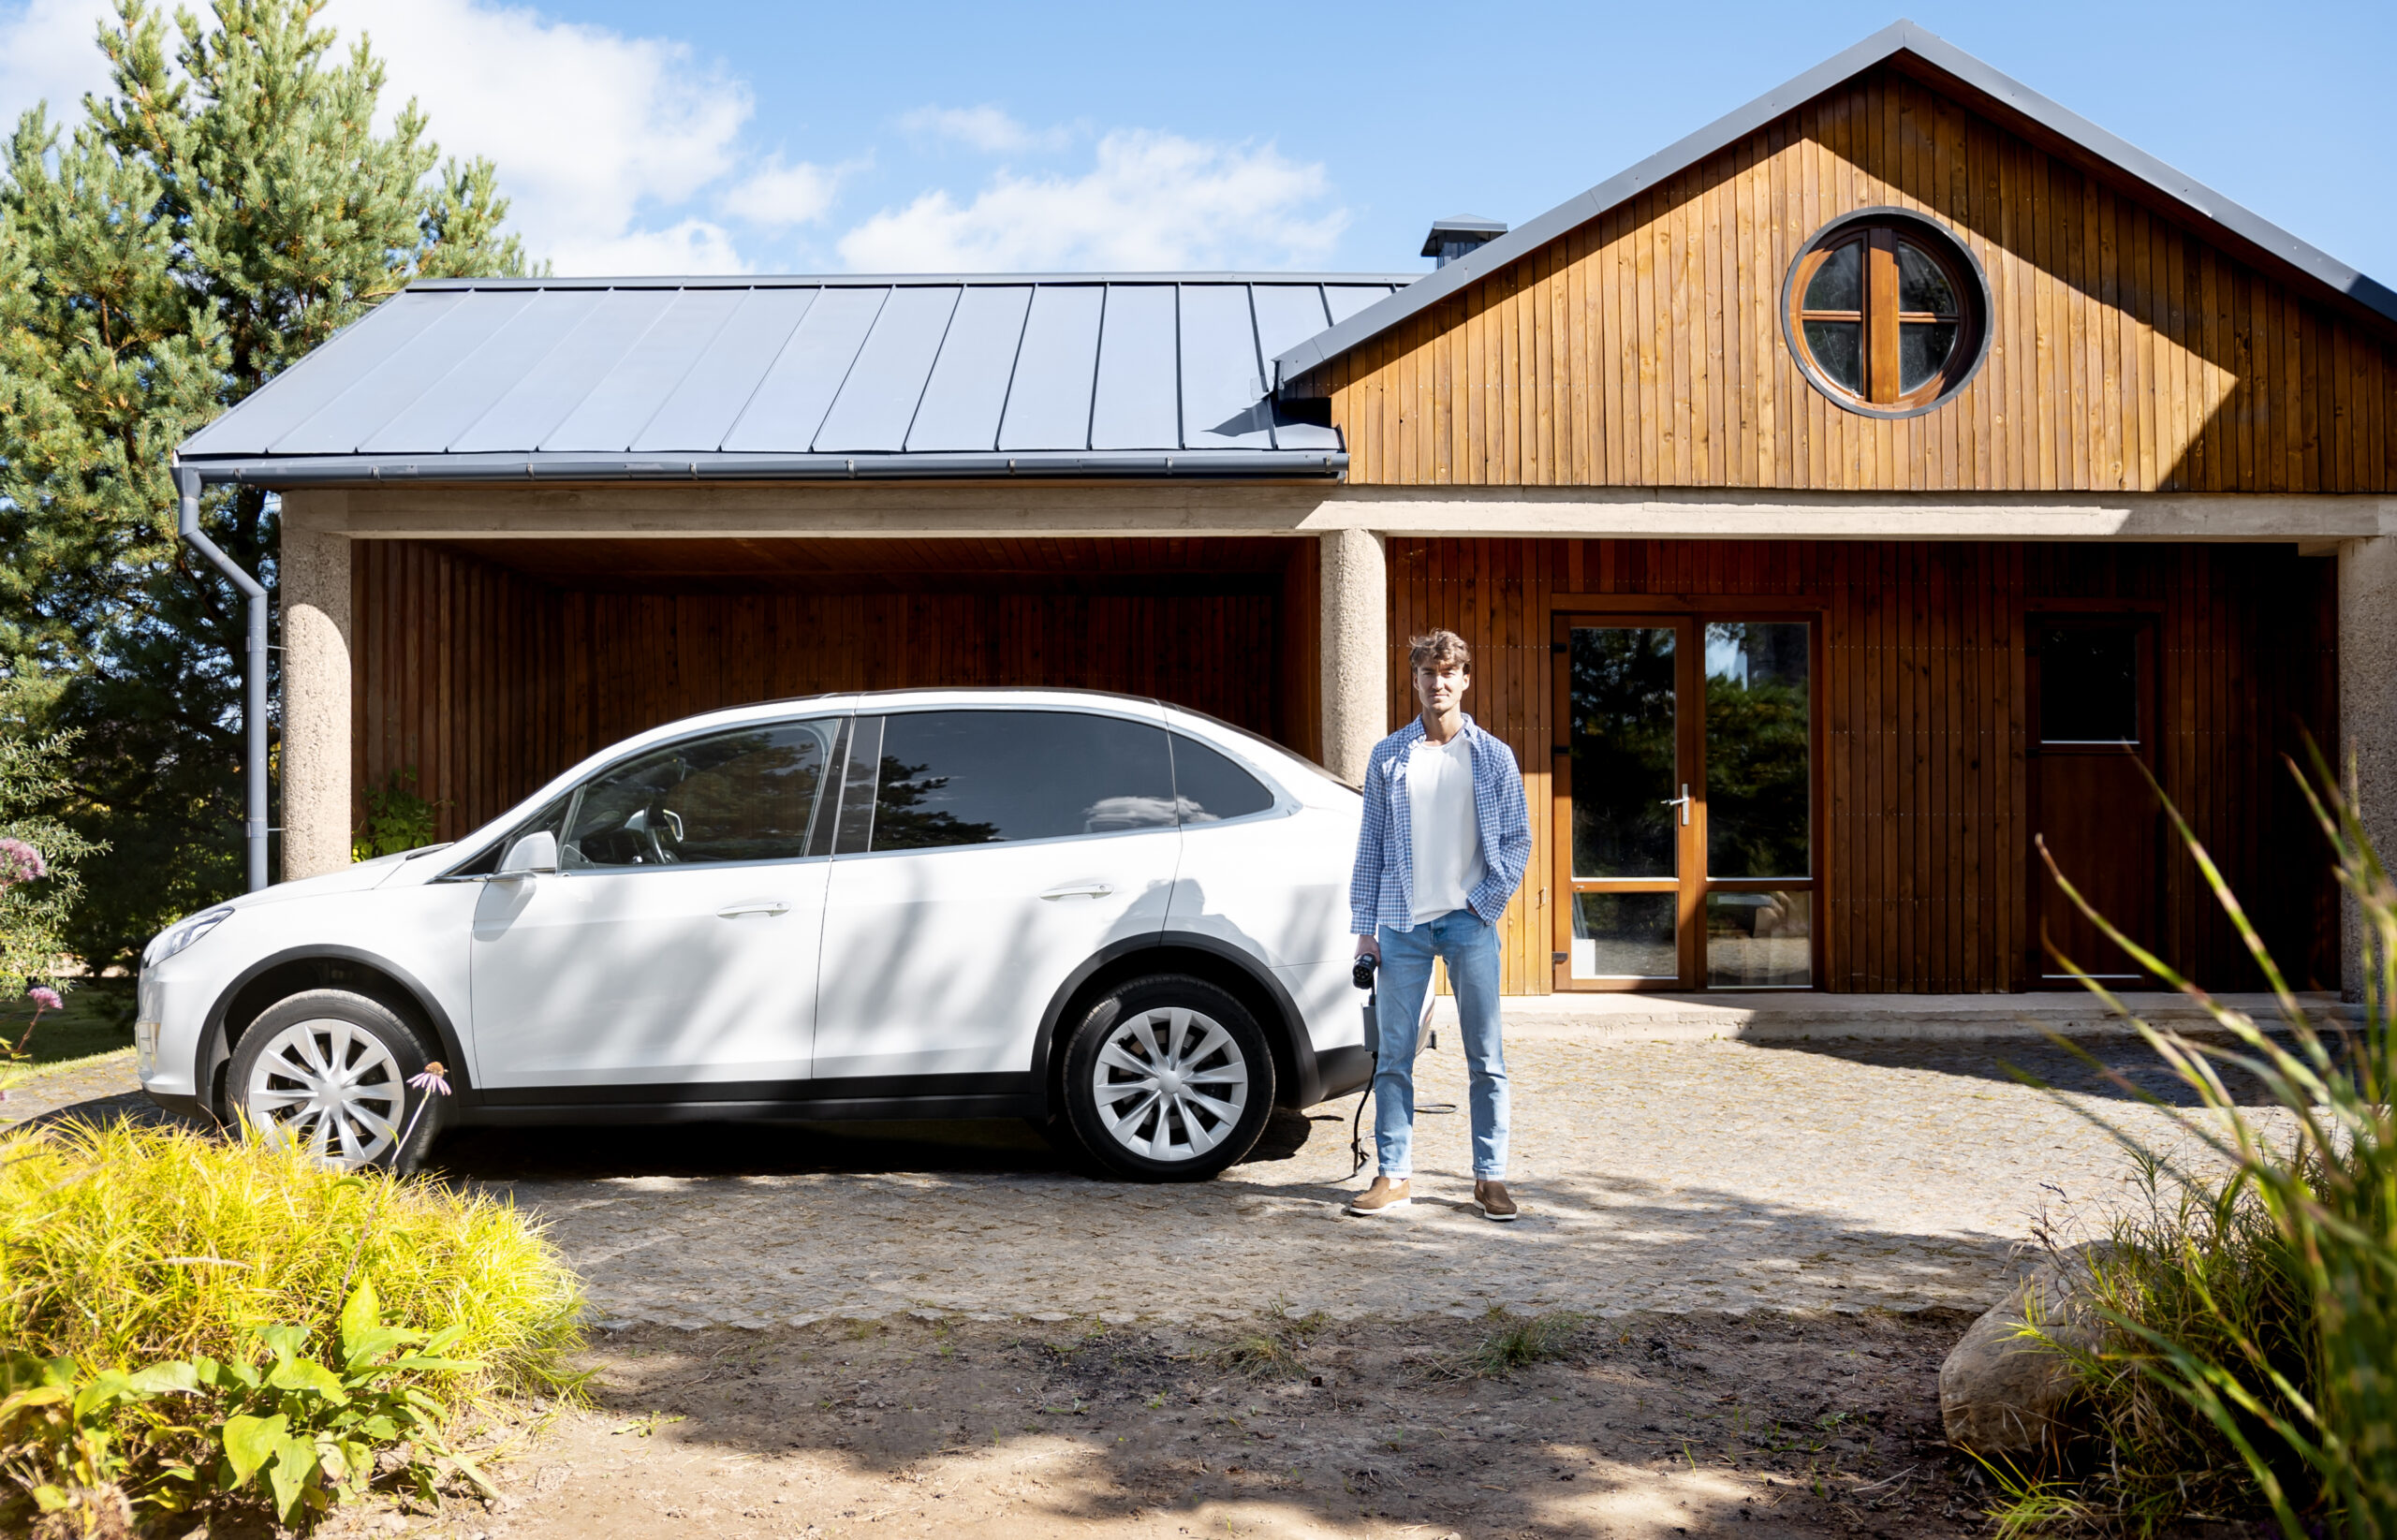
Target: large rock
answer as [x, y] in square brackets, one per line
[2002, 1393]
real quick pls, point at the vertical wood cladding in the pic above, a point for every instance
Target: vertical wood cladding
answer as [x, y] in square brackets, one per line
[1645, 348]
[485, 683]
[1925, 858]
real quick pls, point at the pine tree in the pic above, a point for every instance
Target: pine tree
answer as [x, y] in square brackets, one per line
[212, 218]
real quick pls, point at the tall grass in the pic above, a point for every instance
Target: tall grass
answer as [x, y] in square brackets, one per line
[2254, 1307]
[122, 1245]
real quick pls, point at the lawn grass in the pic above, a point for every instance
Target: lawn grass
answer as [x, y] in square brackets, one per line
[98, 1019]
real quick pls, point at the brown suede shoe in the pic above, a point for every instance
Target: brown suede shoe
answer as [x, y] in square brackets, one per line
[1380, 1198]
[1496, 1204]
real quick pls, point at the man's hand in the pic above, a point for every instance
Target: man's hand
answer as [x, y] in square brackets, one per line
[1369, 947]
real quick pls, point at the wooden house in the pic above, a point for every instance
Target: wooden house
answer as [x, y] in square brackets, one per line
[1897, 471]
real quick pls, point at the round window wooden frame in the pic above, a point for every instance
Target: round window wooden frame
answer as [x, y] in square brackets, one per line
[1965, 275]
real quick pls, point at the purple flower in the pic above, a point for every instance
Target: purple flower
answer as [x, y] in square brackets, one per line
[433, 1078]
[46, 997]
[20, 862]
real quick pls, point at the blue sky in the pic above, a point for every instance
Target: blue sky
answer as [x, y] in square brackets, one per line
[636, 137]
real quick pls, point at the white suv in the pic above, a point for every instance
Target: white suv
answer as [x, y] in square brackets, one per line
[1123, 918]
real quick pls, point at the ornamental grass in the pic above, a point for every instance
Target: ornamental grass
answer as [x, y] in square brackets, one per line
[2250, 1362]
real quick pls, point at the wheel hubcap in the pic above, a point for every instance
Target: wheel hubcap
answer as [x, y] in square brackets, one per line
[1171, 1084]
[330, 1088]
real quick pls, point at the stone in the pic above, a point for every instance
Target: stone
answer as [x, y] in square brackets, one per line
[2000, 1393]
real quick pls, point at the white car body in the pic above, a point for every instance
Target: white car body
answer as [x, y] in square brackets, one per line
[905, 982]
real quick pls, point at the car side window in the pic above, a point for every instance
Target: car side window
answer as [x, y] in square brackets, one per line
[1210, 787]
[747, 795]
[952, 778]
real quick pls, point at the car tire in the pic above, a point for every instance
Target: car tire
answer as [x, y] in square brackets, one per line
[1198, 1110]
[276, 1081]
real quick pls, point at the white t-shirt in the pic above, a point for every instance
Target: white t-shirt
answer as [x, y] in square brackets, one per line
[1446, 831]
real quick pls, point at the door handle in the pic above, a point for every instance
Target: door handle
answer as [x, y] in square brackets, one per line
[1079, 890]
[1682, 802]
[753, 906]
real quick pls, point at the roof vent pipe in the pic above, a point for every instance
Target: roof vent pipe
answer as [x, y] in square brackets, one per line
[1460, 237]
[253, 673]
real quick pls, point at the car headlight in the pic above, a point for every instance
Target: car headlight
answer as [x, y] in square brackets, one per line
[184, 932]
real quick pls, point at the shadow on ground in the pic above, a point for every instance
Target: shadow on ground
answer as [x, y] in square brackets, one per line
[2047, 1064]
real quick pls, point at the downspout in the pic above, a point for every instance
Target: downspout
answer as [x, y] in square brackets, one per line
[252, 671]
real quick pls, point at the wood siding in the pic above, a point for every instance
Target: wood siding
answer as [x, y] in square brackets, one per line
[1922, 737]
[484, 682]
[1646, 347]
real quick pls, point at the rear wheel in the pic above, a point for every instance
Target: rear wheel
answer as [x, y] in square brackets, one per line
[328, 1072]
[1168, 1078]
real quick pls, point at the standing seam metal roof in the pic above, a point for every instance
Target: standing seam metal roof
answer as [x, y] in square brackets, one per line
[1137, 375]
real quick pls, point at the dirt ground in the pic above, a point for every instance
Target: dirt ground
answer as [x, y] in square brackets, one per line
[1760, 1424]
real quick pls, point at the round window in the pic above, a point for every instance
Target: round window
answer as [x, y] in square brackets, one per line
[1884, 311]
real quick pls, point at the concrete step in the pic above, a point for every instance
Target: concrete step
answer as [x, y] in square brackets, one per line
[1799, 1017]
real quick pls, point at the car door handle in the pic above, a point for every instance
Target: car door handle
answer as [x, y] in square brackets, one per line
[753, 906]
[1079, 890]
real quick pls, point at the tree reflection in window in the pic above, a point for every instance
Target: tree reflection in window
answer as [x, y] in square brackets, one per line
[1622, 745]
[901, 822]
[1758, 807]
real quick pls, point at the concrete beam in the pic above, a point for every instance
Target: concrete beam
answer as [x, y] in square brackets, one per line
[1356, 651]
[315, 595]
[715, 510]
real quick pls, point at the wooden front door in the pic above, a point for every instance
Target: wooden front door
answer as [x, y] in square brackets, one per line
[2092, 681]
[1685, 811]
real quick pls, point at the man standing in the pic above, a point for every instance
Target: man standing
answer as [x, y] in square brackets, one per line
[1444, 845]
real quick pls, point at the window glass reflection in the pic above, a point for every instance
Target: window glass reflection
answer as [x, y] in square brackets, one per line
[1759, 807]
[1621, 740]
[1760, 940]
[1838, 284]
[748, 795]
[952, 778]
[1625, 936]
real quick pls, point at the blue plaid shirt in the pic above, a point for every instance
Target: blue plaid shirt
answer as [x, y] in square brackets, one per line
[1382, 888]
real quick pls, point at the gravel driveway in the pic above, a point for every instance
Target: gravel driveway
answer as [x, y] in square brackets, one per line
[1672, 1176]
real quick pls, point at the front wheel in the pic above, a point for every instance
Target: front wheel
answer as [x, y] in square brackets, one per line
[1168, 1078]
[328, 1072]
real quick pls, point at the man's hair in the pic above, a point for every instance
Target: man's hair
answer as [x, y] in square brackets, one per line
[1436, 649]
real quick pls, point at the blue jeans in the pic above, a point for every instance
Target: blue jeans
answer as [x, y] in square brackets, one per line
[1469, 946]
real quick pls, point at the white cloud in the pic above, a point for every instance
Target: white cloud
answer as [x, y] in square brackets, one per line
[777, 197]
[47, 53]
[1154, 202]
[591, 130]
[986, 128]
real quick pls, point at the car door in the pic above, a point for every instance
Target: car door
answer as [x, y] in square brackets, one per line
[677, 942]
[984, 855]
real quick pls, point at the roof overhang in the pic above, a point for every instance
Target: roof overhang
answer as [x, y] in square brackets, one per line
[279, 472]
[1937, 62]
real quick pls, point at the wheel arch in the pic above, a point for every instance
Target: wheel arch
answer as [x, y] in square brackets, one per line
[303, 968]
[1297, 1081]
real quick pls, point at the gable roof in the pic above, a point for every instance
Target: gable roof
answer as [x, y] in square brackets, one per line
[1088, 375]
[1941, 63]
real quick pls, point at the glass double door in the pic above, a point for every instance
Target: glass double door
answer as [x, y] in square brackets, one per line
[1686, 791]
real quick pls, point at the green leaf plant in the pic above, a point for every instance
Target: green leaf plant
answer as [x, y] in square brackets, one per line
[295, 1431]
[2253, 1324]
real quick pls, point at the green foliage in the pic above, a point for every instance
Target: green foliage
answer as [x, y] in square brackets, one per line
[1518, 1341]
[291, 1433]
[397, 818]
[222, 208]
[2254, 1318]
[32, 779]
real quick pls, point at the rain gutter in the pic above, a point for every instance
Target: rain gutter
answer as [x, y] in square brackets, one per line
[367, 470]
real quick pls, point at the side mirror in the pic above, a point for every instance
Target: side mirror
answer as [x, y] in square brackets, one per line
[533, 853]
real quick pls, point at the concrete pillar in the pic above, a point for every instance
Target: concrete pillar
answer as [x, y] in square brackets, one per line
[314, 580]
[1356, 651]
[2368, 711]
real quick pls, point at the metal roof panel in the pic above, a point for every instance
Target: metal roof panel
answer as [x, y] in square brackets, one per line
[703, 407]
[622, 403]
[1223, 383]
[878, 399]
[337, 364]
[968, 389]
[556, 385]
[348, 418]
[1138, 401]
[451, 406]
[1049, 403]
[790, 401]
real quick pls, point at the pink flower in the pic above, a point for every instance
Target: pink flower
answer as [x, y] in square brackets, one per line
[46, 997]
[20, 862]
[435, 1078]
